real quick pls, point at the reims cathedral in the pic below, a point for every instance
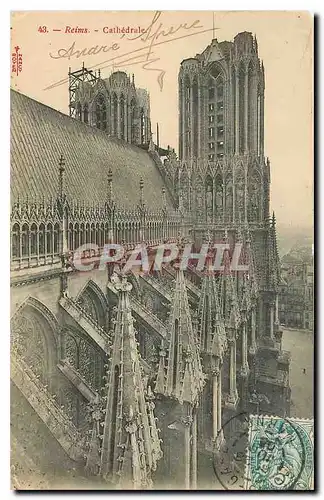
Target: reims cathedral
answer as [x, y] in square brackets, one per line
[133, 379]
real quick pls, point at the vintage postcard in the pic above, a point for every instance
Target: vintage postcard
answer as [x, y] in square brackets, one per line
[161, 236]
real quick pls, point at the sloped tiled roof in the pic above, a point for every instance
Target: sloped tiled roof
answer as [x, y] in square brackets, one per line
[40, 134]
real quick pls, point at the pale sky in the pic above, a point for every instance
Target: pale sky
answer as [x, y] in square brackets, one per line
[285, 41]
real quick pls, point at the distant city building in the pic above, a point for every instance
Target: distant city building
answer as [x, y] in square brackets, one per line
[296, 296]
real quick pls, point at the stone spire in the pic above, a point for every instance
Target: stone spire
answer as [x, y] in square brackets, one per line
[211, 328]
[130, 446]
[273, 257]
[276, 258]
[180, 373]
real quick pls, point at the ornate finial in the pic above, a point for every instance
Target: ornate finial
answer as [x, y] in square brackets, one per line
[162, 351]
[109, 184]
[133, 80]
[61, 173]
[141, 184]
[163, 197]
[99, 73]
[273, 219]
[149, 394]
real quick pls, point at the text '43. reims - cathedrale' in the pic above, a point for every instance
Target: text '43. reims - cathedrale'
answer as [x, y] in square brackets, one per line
[129, 378]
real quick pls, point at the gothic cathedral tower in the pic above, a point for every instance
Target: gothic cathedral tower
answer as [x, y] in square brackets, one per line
[221, 133]
[223, 182]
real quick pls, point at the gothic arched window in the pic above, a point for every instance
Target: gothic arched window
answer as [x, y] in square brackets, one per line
[76, 236]
[241, 108]
[234, 103]
[87, 233]
[106, 234]
[97, 234]
[25, 241]
[185, 190]
[79, 111]
[101, 113]
[218, 196]
[215, 112]
[86, 113]
[82, 234]
[56, 238]
[228, 199]
[87, 363]
[33, 240]
[122, 117]
[49, 239]
[101, 237]
[142, 119]
[93, 234]
[199, 196]
[84, 358]
[15, 241]
[209, 197]
[71, 234]
[28, 336]
[186, 117]
[251, 99]
[133, 121]
[115, 114]
[195, 118]
[41, 239]
[239, 198]
[254, 197]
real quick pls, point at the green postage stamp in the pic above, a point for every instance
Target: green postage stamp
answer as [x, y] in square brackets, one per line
[280, 454]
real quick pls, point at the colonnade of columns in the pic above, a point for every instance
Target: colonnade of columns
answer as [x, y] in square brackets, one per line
[247, 129]
[119, 117]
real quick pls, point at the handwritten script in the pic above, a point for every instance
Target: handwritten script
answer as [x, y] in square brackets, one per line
[155, 34]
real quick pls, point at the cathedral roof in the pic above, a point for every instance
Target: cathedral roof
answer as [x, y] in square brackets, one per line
[40, 134]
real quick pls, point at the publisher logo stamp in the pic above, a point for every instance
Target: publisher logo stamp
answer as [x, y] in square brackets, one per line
[16, 61]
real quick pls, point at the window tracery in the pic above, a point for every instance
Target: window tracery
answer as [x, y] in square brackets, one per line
[253, 197]
[84, 358]
[215, 112]
[101, 112]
